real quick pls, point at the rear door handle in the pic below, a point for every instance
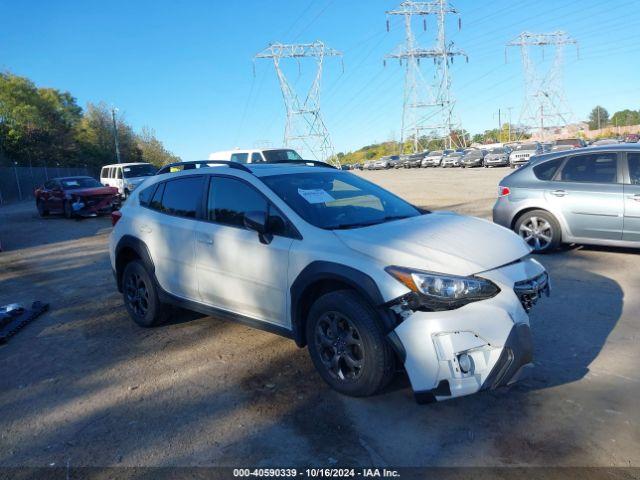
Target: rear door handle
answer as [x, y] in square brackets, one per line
[145, 229]
[635, 197]
[559, 193]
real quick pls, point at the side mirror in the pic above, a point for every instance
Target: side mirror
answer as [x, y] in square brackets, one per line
[257, 221]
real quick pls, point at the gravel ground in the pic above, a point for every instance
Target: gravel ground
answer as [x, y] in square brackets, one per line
[82, 385]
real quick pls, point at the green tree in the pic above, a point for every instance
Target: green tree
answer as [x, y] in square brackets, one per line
[598, 118]
[152, 149]
[95, 138]
[626, 117]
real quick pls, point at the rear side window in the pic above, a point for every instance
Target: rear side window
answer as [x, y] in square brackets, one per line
[546, 170]
[239, 157]
[145, 195]
[103, 172]
[634, 168]
[182, 196]
[591, 168]
[230, 199]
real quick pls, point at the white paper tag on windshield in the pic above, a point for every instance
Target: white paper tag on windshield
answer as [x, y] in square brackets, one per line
[317, 195]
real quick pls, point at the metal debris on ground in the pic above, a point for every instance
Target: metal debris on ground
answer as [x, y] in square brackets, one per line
[14, 317]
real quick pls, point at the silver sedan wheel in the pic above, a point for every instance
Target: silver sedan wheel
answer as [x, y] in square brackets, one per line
[537, 232]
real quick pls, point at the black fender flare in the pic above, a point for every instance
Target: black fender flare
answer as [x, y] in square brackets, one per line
[141, 250]
[322, 271]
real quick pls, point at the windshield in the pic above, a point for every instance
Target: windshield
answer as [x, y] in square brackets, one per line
[497, 150]
[79, 182]
[527, 146]
[437, 153]
[274, 156]
[144, 170]
[474, 153]
[338, 200]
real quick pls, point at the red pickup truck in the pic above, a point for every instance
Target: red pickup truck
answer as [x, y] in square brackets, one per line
[75, 196]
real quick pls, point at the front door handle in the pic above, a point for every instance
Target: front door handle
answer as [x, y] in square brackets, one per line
[205, 240]
[559, 193]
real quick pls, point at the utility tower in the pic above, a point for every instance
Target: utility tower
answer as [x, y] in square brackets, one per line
[428, 106]
[545, 105]
[304, 127]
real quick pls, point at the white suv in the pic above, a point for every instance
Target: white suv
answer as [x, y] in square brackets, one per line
[364, 279]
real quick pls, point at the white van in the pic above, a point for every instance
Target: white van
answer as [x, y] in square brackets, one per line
[126, 176]
[259, 155]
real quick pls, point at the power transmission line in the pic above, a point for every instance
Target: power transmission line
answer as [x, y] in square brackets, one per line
[304, 125]
[544, 104]
[421, 98]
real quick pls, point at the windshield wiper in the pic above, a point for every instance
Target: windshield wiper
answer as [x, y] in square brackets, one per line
[346, 226]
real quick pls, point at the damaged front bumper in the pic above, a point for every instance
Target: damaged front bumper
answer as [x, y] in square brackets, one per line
[94, 206]
[483, 345]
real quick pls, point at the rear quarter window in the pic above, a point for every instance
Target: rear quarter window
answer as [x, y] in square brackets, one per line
[145, 195]
[546, 170]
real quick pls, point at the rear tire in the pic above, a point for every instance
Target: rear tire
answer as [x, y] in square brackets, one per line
[141, 296]
[42, 211]
[347, 344]
[540, 230]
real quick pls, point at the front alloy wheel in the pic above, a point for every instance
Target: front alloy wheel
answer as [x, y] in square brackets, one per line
[340, 346]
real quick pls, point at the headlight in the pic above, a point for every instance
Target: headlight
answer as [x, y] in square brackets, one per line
[131, 186]
[437, 292]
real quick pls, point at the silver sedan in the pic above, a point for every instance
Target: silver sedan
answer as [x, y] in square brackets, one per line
[588, 196]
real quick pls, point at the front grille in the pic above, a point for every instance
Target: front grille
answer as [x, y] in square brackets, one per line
[529, 291]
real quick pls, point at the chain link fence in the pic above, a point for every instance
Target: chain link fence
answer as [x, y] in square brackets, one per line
[18, 183]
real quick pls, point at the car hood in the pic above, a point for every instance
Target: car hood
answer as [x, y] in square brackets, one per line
[93, 191]
[442, 242]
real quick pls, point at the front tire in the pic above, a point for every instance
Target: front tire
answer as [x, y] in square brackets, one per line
[347, 344]
[68, 209]
[540, 230]
[141, 296]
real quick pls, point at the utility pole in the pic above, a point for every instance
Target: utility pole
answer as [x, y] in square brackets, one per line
[304, 125]
[598, 116]
[115, 133]
[544, 92]
[499, 126]
[424, 102]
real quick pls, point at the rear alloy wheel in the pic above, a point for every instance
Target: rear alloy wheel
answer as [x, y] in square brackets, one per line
[347, 344]
[141, 296]
[540, 230]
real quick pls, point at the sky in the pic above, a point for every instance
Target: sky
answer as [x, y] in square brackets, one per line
[186, 69]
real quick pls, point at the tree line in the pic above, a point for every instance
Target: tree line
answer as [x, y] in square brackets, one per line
[599, 118]
[47, 127]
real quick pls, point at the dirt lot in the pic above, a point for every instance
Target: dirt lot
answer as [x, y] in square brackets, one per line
[83, 385]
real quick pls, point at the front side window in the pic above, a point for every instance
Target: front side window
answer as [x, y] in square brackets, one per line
[230, 199]
[591, 168]
[182, 196]
[634, 168]
[239, 157]
[338, 200]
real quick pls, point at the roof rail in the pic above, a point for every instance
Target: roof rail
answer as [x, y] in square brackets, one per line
[314, 163]
[202, 163]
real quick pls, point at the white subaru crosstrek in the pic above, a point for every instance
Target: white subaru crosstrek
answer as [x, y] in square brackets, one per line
[364, 279]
